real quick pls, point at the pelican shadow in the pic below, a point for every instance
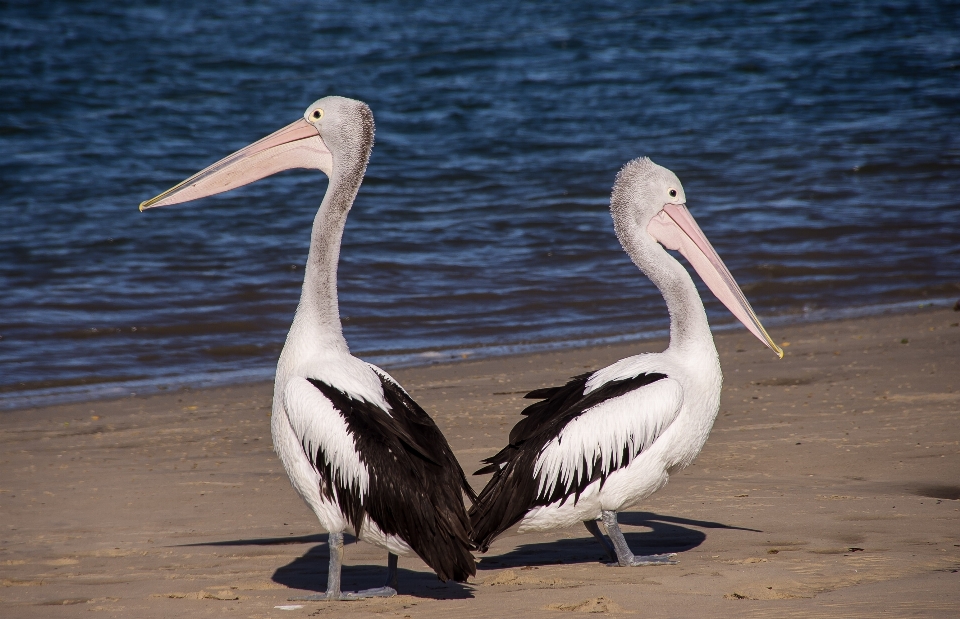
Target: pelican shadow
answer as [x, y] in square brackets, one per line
[666, 534]
[308, 572]
[263, 541]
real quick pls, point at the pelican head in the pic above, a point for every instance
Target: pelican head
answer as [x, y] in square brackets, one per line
[335, 135]
[648, 207]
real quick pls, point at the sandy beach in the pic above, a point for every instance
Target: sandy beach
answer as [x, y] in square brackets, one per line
[829, 488]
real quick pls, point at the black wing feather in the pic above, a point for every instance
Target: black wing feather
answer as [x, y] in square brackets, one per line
[512, 491]
[416, 484]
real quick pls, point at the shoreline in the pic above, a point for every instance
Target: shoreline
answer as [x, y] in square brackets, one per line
[14, 400]
[828, 488]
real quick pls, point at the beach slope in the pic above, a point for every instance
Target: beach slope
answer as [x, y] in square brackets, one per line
[830, 487]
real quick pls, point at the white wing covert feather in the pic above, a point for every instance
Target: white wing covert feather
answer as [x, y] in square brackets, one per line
[598, 436]
[321, 428]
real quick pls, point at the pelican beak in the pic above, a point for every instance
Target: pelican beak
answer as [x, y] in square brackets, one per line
[298, 145]
[675, 228]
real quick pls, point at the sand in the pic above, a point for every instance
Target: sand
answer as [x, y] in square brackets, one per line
[829, 488]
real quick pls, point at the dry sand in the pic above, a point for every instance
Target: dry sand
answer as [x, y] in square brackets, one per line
[829, 488]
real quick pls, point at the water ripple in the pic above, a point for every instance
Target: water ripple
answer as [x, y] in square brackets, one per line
[823, 162]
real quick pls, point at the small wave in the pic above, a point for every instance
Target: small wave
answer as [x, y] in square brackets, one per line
[49, 393]
[94, 389]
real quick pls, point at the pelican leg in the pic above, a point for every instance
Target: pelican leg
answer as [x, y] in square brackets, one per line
[333, 591]
[625, 557]
[594, 529]
[392, 572]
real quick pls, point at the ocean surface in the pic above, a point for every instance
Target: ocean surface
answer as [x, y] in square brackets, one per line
[818, 143]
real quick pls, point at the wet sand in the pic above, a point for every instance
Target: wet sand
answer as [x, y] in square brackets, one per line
[830, 487]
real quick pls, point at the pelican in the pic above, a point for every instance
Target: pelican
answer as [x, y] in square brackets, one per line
[362, 454]
[608, 439]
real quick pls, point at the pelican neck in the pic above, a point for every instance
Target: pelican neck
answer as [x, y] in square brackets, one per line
[319, 310]
[689, 328]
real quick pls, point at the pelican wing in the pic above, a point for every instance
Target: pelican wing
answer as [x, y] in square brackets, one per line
[574, 437]
[604, 438]
[414, 483]
[328, 443]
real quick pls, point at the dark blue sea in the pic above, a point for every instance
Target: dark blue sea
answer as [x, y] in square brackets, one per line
[818, 143]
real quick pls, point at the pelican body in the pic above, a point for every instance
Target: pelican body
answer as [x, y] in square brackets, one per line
[360, 452]
[608, 439]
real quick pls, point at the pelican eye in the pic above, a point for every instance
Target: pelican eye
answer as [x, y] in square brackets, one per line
[316, 114]
[673, 193]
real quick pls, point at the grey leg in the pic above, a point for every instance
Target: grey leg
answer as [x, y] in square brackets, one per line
[595, 531]
[336, 565]
[335, 545]
[333, 591]
[391, 572]
[624, 556]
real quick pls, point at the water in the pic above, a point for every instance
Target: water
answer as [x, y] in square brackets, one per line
[819, 146]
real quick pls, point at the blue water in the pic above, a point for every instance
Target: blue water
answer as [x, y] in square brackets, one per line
[819, 146]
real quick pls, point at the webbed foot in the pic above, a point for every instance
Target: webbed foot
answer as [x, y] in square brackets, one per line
[638, 560]
[346, 596]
